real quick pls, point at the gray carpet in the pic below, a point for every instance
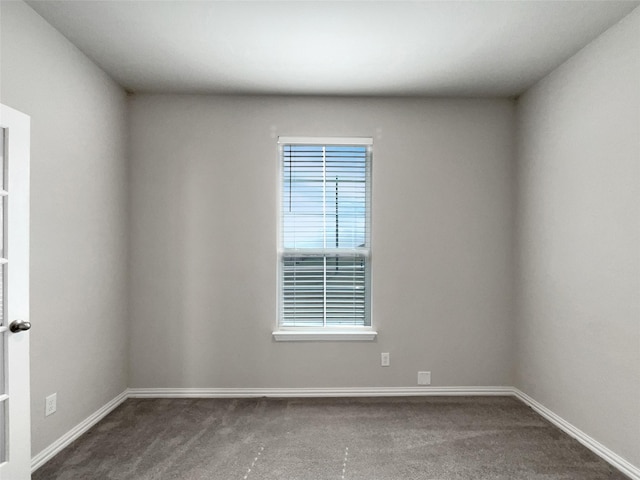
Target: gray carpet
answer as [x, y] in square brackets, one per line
[434, 438]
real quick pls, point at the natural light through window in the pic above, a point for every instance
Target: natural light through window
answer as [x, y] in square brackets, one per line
[325, 253]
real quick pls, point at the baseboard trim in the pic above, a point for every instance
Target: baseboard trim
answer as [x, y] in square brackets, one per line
[315, 392]
[65, 440]
[596, 447]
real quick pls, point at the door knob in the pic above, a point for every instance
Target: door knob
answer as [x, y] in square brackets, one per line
[19, 326]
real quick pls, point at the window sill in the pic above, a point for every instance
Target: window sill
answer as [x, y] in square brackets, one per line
[321, 336]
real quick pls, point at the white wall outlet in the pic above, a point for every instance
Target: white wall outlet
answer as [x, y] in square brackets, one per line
[50, 404]
[424, 378]
[384, 359]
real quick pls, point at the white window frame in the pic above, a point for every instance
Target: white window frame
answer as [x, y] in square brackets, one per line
[332, 333]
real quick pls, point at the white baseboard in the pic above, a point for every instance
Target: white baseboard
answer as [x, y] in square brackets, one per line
[314, 392]
[52, 450]
[596, 447]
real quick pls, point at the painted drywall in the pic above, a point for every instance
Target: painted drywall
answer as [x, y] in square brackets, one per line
[578, 328]
[203, 245]
[78, 220]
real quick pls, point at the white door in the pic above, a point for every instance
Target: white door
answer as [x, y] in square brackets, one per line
[15, 434]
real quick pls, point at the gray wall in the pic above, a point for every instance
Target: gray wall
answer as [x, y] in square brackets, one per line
[78, 220]
[204, 201]
[578, 329]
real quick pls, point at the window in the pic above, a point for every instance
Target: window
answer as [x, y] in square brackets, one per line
[325, 211]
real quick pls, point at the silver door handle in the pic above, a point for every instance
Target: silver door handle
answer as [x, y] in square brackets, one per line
[19, 326]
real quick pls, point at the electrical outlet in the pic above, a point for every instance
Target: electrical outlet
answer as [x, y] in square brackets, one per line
[384, 359]
[424, 378]
[50, 404]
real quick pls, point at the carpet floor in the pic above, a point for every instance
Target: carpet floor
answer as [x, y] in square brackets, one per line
[432, 438]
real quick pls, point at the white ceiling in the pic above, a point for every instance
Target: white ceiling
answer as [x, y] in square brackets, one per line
[449, 48]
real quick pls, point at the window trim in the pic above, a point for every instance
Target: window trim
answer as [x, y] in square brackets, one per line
[332, 333]
[359, 141]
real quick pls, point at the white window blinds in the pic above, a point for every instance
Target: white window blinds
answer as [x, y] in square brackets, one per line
[325, 223]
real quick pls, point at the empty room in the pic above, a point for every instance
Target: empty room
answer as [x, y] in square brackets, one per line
[319, 240]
